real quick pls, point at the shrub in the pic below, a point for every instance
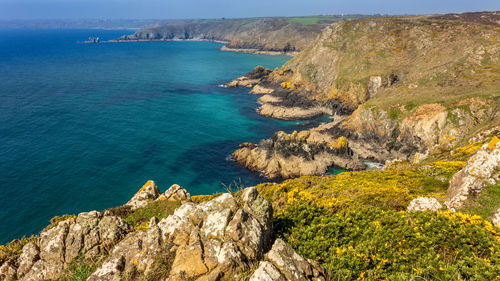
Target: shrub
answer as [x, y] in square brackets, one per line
[378, 243]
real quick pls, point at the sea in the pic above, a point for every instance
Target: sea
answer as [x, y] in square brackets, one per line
[84, 126]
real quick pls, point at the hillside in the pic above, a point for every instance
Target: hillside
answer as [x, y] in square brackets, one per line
[258, 34]
[399, 87]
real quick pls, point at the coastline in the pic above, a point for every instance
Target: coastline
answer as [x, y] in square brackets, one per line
[223, 48]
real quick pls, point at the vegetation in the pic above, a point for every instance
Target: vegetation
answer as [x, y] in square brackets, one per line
[356, 225]
[375, 243]
[80, 268]
[160, 209]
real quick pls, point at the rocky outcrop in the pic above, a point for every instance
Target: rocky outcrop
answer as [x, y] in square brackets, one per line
[283, 263]
[149, 191]
[250, 79]
[216, 240]
[90, 234]
[175, 193]
[424, 204]
[475, 175]
[297, 154]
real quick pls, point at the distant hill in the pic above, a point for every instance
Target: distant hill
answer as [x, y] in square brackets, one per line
[261, 34]
[79, 23]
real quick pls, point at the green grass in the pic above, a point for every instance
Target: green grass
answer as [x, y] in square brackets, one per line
[309, 20]
[486, 203]
[140, 217]
[159, 209]
[80, 268]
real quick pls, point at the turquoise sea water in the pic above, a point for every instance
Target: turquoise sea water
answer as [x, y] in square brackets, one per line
[83, 126]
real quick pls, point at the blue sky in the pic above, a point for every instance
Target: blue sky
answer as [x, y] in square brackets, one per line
[172, 9]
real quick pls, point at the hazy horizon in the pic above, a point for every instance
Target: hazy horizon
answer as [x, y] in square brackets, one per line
[195, 9]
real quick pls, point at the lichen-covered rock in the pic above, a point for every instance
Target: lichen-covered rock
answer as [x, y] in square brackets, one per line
[474, 176]
[267, 272]
[283, 263]
[424, 204]
[7, 272]
[212, 240]
[496, 218]
[148, 192]
[90, 234]
[175, 193]
[29, 255]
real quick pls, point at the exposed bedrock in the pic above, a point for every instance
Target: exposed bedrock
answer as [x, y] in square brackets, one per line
[221, 239]
[297, 154]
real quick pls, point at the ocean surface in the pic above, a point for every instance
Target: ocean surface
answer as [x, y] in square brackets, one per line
[83, 126]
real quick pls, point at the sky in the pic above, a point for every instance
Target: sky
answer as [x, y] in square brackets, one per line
[179, 9]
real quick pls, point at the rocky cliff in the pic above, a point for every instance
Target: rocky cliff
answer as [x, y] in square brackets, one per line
[405, 86]
[282, 35]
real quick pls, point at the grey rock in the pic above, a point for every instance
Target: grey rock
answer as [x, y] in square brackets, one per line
[7, 272]
[175, 193]
[473, 177]
[147, 193]
[424, 204]
[29, 255]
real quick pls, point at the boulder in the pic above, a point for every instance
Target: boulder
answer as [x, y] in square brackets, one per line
[283, 263]
[424, 204]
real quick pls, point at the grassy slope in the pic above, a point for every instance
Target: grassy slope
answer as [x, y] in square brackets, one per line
[436, 59]
[259, 33]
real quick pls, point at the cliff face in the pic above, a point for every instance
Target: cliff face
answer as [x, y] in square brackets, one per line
[406, 84]
[259, 34]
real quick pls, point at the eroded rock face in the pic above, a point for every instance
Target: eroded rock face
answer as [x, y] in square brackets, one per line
[90, 233]
[214, 239]
[283, 263]
[475, 175]
[297, 154]
[424, 204]
[149, 191]
[250, 79]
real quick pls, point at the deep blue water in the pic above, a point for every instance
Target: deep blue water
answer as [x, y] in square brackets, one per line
[83, 126]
